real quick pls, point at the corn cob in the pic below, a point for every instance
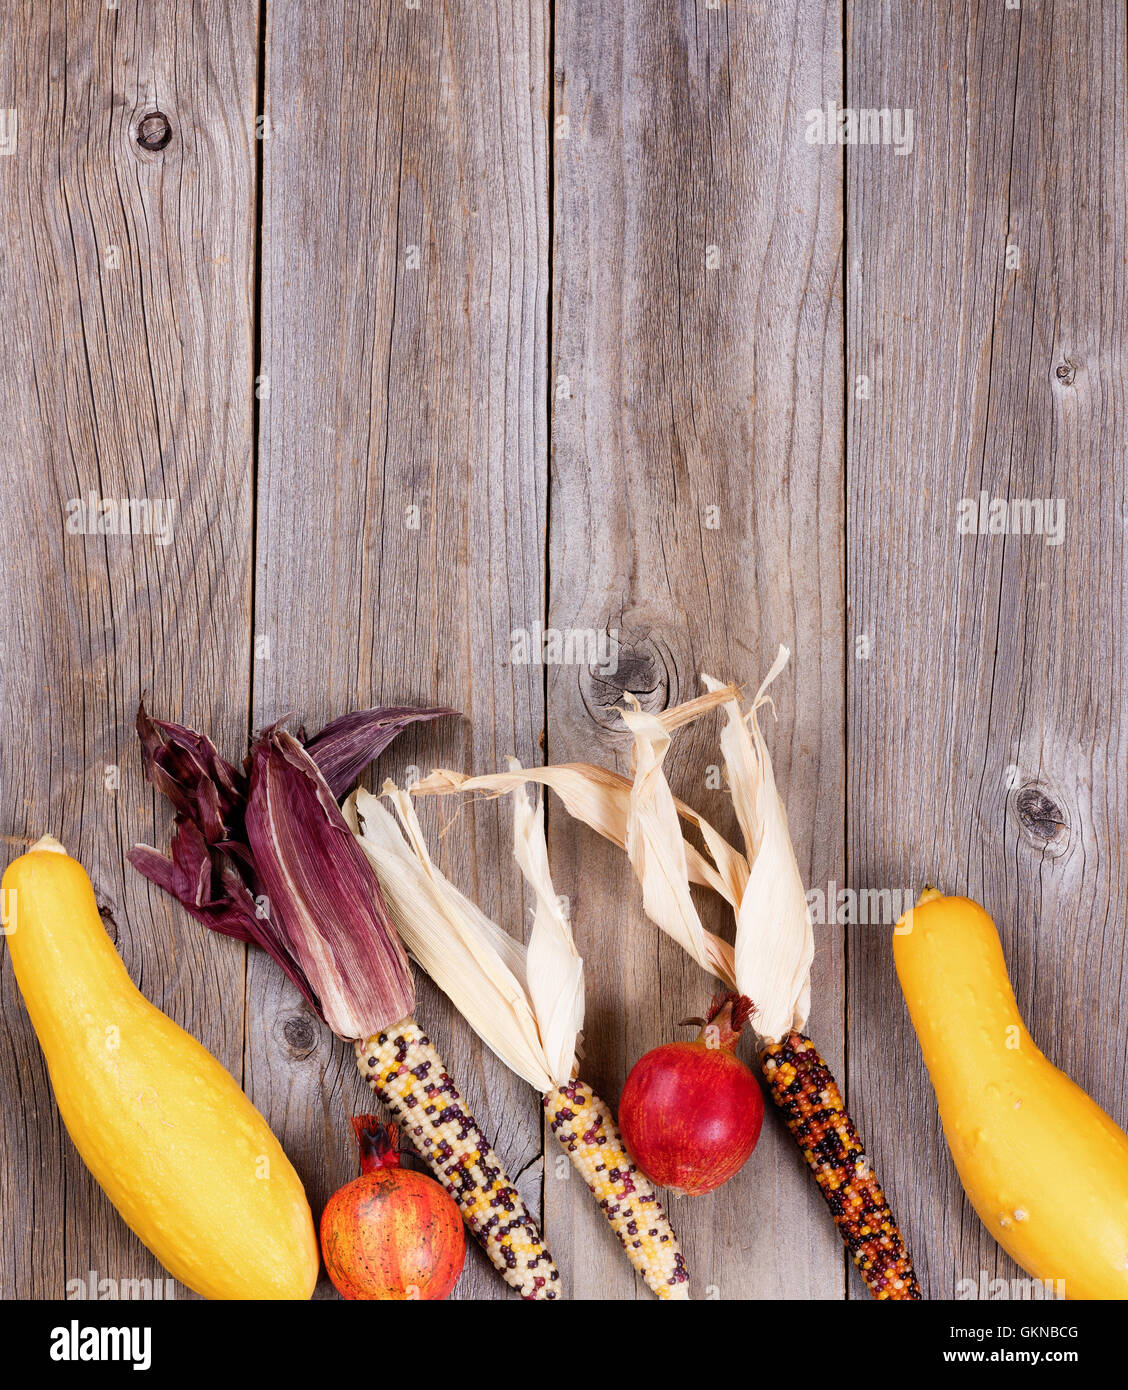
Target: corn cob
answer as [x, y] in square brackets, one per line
[586, 1129]
[802, 1085]
[404, 1069]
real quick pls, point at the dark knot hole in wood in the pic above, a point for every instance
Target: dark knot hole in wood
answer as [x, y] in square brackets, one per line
[106, 911]
[638, 667]
[1041, 817]
[154, 131]
[300, 1035]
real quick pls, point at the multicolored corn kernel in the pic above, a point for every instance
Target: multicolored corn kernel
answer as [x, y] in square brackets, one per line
[407, 1074]
[802, 1086]
[586, 1129]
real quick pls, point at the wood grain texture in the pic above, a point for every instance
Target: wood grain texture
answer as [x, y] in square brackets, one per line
[429, 286]
[988, 729]
[125, 370]
[405, 285]
[679, 388]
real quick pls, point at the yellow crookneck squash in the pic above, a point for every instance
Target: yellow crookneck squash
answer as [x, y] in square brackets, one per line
[1043, 1165]
[177, 1147]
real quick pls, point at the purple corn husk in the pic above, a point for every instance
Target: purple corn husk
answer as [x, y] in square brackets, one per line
[265, 855]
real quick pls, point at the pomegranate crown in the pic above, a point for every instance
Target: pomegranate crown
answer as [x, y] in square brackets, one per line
[378, 1143]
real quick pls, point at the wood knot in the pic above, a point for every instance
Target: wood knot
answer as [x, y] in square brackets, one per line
[1041, 817]
[300, 1035]
[639, 666]
[154, 131]
[1067, 371]
[106, 911]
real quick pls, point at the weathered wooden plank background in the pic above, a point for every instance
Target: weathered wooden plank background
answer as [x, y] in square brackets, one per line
[435, 323]
[986, 295]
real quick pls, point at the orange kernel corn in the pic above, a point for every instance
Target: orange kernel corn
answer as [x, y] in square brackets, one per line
[802, 1086]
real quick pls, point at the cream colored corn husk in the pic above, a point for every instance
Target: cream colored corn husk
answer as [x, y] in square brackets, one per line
[657, 848]
[641, 815]
[525, 1003]
[554, 972]
[775, 941]
[601, 799]
[774, 936]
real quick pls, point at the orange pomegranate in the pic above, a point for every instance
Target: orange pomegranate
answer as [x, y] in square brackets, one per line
[391, 1233]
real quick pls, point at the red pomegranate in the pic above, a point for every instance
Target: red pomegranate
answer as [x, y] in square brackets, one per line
[691, 1112]
[391, 1233]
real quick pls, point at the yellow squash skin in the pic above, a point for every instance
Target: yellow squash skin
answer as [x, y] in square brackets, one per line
[1044, 1167]
[178, 1148]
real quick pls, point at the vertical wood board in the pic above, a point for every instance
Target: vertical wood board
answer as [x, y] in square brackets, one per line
[125, 375]
[402, 493]
[696, 512]
[987, 304]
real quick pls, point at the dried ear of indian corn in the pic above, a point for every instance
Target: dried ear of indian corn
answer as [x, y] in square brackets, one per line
[802, 1085]
[587, 1131]
[526, 1003]
[406, 1072]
